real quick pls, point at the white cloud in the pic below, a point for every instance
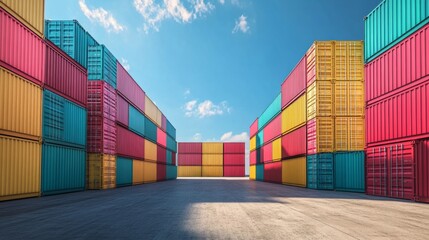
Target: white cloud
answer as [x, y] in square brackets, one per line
[101, 16]
[235, 2]
[222, 2]
[125, 64]
[197, 137]
[200, 8]
[187, 93]
[241, 25]
[205, 109]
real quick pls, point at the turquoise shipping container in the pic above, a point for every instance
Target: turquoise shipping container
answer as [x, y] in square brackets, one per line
[136, 120]
[102, 65]
[260, 172]
[272, 111]
[171, 172]
[171, 144]
[391, 22]
[63, 169]
[64, 122]
[71, 37]
[260, 139]
[171, 130]
[169, 157]
[349, 171]
[150, 129]
[124, 172]
[320, 171]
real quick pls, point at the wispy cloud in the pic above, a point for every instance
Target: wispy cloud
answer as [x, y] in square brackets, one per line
[222, 2]
[230, 137]
[102, 16]
[125, 64]
[205, 109]
[187, 93]
[241, 25]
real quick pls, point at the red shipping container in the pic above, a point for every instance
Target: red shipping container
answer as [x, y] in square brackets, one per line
[402, 115]
[129, 88]
[101, 135]
[188, 147]
[406, 62]
[254, 128]
[267, 153]
[21, 50]
[390, 170]
[233, 159]
[295, 84]
[129, 144]
[161, 137]
[295, 143]
[236, 147]
[422, 170]
[173, 156]
[161, 154]
[190, 159]
[65, 76]
[233, 171]
[101, 100]
[252, 157]
[273, 129]
[273, 172]
[161, 172]
[163, 122]
[122, 111]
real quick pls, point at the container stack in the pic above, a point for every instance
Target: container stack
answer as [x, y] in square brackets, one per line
[189, 159]
[397, 88]
[233, 159]
[212, 159]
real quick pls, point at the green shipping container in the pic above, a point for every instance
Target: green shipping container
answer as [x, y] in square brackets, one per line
[171, 172]
[101, 65]
[171, 144]
[150, 130]
[320, 171]
[171, 130]
[260, 172]
[124, 172]
[169, 157]
[391, 22]
[273, 110]
[136, 120]
[63, 169]
[350, 171]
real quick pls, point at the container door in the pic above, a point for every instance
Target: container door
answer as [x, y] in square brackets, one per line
[422, 170]
[401, 171]
[376, 171]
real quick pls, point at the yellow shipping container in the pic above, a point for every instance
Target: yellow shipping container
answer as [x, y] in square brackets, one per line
[277, 149]
[138, 169]
[149, 172]
[349, 98]
[294, 172]
[151, 110]
[30, 12]
[323, 140]
[158, 119]
[213, 148]
[101, 171]
[252, 144]
[294, 116]
[150, 151]
[349, 134]
[20, 168]
[252, 172]
[21, 106]
[212, 159]
[212, 171]
[189, 171]
[320, 100]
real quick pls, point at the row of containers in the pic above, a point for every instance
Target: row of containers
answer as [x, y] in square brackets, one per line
[211, 159]
[312, 134]
[61, 126]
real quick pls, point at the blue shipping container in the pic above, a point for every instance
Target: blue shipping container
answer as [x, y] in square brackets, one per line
[169, 157]
[63, 121]
[260, 172]
[171, 130]
[320, 171]
[350, 171]
[101, 65]
[273, 110]
[260, 139]
[124, 172]
[63, 169]
[171, 144]
[171, 172]
[150, 129]
[136, 120]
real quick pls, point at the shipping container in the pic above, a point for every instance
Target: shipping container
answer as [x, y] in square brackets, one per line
[173, 157]
[295, 143]
[391, 22]
[212, 159]
[171, 172]
[231, 159]
[21, 50]
[102, 135]
[254, 128]
[212, 171]
[161, 172]
[24, 121]
[150, 129]
[190, 159]
[169, 157]
[150, 151]
[252, 172]
[102, 65]
[171, 130]
[63, 169]
[101, 171]
[233, 147]
[349, 171]
[20, 10]
[161, 137]
[233, 171]
[422, 170]
[349, 98]
[212, 148]
[320, 171]
[20, 162]
[171, 144]
[260, 172]
[277, 149]
[255, 157]
[138, 169]
[151, 110]
[164, 123]
[252, 143]
[294, 172]
[190, 147]
[129, 88]
[273, 172]
[320, 135]
[189, 171]
[63, 121]
[124, 172]
[136, 121]
[349, 134]
[129, 144]
[267, 153]
[320, 102]
[294, 116]
[122, 111]
[101, 100]
[295, 84]
[161, 156]
[273, 110]
[260, 138]
[273, 129]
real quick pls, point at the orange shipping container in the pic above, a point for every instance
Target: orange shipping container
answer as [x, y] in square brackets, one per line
[212, 160]
[138, 170]
[149, 172]
[30, 12]
[212, 171]
[189, 171]
[101, 171]
[212, 148]
[150, 151]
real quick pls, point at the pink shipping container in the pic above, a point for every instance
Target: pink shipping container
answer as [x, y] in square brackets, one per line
[161, 172]
[295, 143]
[101, 135]
[254, 128]
[422, 170]
[129, 144]
[406, 62]
[233, 159]
[129, 88]
[273, 129]
[187, 159]
[190, 148]
[163, 123]
[173, 156]
[252, 157]
[21, 50]
[65, 76]
[231, 147]
[267, 153]
[295, 84]
[273, 172]
[233, 171]
[161, 155]
[101, 100]
[161, 137]
[402, 114]
[122, 111]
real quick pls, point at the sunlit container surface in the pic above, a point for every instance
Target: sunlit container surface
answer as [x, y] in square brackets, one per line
[273, 172]
[20, 162]
[254, 128]
[277, 149]
[25, 120]
[212, 159]
[124, 172]
[349, 98]
[150, 150]
[233, 147]
[349, 171]
[295, 84]
[212, 171]
[320, 135]
[349, 134]
[138, 169]
[161, 172]
[233, 171]
[122, 110]
[161, 137]
[273, 109]
[189, 171]
[212, 148]
[320, 171]
[190, 159]
[21, 10]
[190, 147]
[129, 88]
[101, 171]
[294, 172]
[252, 172]
[171, 130]
[273, 129]
[295, 143]
[252, 143]
[254, 157]
[101, 100]
[101, 65]
[136, 121]
[129, 144]
[233, 159]
[267, 153]
[151, 110]
[294, 116]
[320, 102]
[171, 172]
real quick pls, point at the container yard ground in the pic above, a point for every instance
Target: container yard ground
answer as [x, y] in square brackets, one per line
[215, 209]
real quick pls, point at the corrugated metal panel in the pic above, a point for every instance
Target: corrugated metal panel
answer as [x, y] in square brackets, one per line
[102, 135]
[171, 172]
[20, 162]
[124, 172]
[101, 171]
[171, 144]
[161, 137]
[320, 57]
[260, 139]
[129, 88]
[349, 98]
[63, 121]
[390, 22]
[173, 157]
[158, 119]
[150, 151]
[101, 65]
[190, 147]
[161, 172]
[138, 169]
[212, 171]
[254, 128]
[122, 109]
[137, 121]
[422, 171]
[273, 109]
[295, 143]
[294, 172]
[252, 144]
[189, 171]
[233, 147]
[349, 171]
[21, 50]
[320, 102]
[233, 159]
[295, 84]
[294, 116]
[260, 172]
[320, 171]
[21, 10]
[212, 148]
[161, 154]
[267, 153]
[349, 134]
[273, 129]
[233, 171]
[101, 100]
[277, 149]
[320, 135]
[164, 123]
[151, 110]
[212, 159]
[273, 172]
[150, 129]
[191, 159]
[25, 120]
[252, 172]
[171, 130]
[63, 169]
[253, 158]
[169, 157]
[129, 144]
